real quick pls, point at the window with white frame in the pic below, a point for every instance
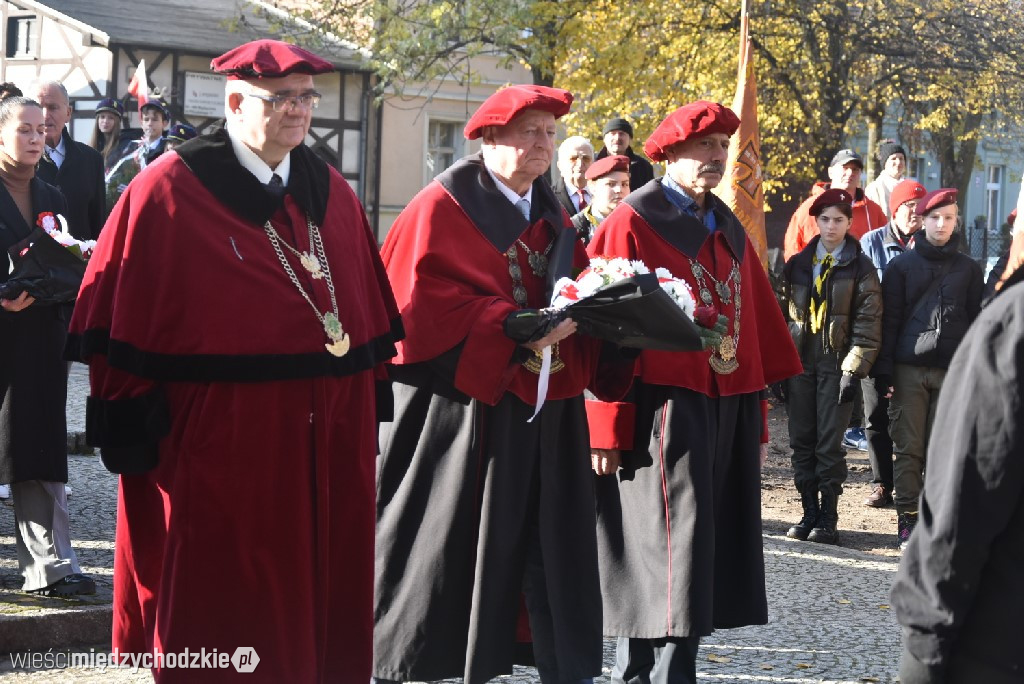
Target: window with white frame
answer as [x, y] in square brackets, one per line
[917, 166]
[993, 198]
[444, 145]
[22, 36]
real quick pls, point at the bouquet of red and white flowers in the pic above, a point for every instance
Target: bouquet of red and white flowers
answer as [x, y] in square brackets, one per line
[622, 301]
[49, 264]
[56, 226]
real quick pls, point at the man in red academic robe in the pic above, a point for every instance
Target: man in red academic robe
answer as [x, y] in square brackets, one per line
[477, 504]
[234, 317]
[679, 526]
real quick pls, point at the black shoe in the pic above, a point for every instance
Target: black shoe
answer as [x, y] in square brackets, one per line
[880, 497]
[809, 501]
[905, 523]
[825, 531]
[74, 584]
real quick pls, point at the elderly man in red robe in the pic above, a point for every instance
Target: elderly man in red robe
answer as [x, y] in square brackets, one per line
[235, 318]
[477, 503]
[679, 525]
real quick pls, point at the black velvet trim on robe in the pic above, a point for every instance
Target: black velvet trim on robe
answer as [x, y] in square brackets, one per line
[212, 159]
[234, 368]
[681, 230]
[128, 431]
[497, 219]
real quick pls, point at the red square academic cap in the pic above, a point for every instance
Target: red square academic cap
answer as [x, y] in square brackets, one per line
[605, 165]
[694, 120]
[268, 59]
[504, 105]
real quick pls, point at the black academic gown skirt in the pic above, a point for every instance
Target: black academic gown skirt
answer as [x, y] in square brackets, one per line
[461, 487]
[679, 528]
[33, 374]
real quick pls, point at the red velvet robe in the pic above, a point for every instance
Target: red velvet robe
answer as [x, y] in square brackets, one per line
[256, 527]
[765, 352]
[460, 463]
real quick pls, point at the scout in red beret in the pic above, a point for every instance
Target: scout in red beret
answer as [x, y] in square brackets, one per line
[830, 198]
[504, 105]
[602, 167]
[936, 199]
[905, 191]
[268, 59]
[694, 120]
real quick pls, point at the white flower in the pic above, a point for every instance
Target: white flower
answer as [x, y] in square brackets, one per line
[589, 283]
[639, 267]
[682, 295]
[664, 273]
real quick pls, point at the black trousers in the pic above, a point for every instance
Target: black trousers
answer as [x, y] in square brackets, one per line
[816, 424]
[876, 429]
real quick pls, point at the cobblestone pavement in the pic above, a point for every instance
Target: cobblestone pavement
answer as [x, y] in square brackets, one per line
[829, 622]
[829, 619]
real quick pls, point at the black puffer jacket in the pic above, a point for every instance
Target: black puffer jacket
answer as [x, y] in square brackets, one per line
[927, 336]
[853, 325]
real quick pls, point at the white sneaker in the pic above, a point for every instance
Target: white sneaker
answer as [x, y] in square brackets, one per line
[5, 491]
[67, 490]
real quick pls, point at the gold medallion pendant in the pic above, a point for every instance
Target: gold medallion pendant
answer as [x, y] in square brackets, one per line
[534, 363]
[339, 343]
[723, 360]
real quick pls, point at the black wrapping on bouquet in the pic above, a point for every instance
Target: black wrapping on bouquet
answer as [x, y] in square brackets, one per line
[636, 312]
[47, 271]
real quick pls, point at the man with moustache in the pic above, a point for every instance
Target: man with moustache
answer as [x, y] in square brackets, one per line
[74, 167]
[679, 524]
[608, 182]
[235, 317]
[575, 155]
[618, 134]
[477, 503]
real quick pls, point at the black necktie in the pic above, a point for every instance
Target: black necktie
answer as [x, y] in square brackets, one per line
[276, 187]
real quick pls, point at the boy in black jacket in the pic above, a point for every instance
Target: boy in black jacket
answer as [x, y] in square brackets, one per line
[931, 294]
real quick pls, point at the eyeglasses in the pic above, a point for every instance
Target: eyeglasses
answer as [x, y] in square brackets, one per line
[289, 103]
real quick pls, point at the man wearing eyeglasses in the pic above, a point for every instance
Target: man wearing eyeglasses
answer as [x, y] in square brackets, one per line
[235, 317]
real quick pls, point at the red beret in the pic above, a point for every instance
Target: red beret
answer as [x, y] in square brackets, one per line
[605, 165]
[935, 199]
[694, 120]
[268, 59]
[905, 191]
[829, 198]
[502, 106]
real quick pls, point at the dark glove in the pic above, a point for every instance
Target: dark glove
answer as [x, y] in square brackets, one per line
[712, 337]
[882, 384]
[847, 388]
[529, 325]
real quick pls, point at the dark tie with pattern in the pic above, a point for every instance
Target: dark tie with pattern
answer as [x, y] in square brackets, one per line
[276, 187]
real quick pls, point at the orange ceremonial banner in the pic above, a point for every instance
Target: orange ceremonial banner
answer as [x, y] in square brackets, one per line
[743, 192]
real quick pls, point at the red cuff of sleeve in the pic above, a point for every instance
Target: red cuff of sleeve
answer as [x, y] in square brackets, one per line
[611, 424]
[764, 422]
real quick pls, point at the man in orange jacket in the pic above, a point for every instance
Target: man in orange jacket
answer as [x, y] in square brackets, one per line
[844, 174]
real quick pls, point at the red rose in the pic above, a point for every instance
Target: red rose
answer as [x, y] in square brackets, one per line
[706, 316]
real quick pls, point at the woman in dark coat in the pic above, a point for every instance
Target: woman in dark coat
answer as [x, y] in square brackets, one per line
[33, 375]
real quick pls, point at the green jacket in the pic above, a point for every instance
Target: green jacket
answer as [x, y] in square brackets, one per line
[853, 315]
